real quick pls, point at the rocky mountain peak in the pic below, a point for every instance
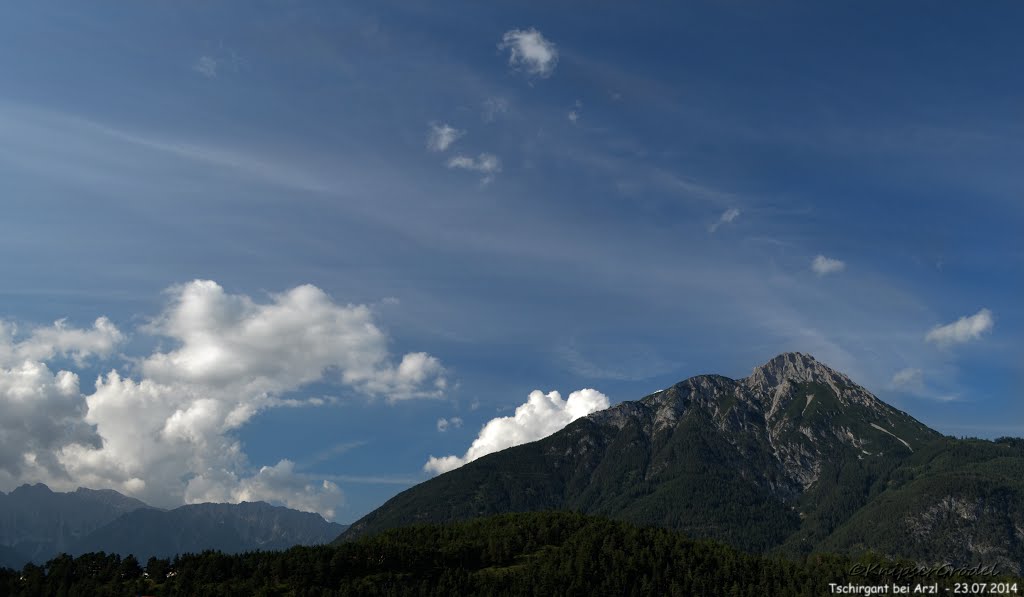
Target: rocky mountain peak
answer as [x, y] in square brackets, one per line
[794, 367]
[31, 491]
[796, 442]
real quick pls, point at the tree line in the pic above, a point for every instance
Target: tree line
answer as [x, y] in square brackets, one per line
[546, 553]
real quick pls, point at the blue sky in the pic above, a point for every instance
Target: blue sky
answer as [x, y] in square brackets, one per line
[409, 212]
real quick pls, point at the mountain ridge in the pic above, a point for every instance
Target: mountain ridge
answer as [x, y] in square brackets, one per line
[229, 528]
[37, 523]
[782, 460]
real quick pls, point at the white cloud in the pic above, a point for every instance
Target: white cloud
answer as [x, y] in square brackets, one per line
[169, 436]
[442, 136]
[909, 378]
[44, 343]
[629, 362]
[229, 341]
[485, 163]
[965, 329]
[912, 381]
[541, 415]
[824, 265]
[493, 107]
[727, 217]
[217, 61]
[574, 114]
[445, 424]
[206, 66]
[280, 483]
[39, 413]
[529, 50]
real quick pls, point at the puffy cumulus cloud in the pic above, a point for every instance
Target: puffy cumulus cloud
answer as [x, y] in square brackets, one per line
[530, 51]
[541, 415]
[485, 163]
[727, 217]
[441, 136]
[230, 341]
[822, 265]
[280, 483]
[40, 412]
[417, 370]
[170, 443]
[45, 343]
[962, 330]
[444, 424]
[167, 436]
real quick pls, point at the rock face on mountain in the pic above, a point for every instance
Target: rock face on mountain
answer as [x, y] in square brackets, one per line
[793, 458]
[799, 411]
[230, 528]
[36, 522]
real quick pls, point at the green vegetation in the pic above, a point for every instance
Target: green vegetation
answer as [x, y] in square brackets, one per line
[690, 478]
[542, 553]
[949, 500]
[793, 473]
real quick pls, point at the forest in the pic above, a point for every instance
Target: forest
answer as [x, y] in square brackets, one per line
[541, 553]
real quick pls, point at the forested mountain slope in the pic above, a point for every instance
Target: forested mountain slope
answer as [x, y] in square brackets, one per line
[794, 458]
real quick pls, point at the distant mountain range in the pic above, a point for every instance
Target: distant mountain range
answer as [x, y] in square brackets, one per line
[37, 524]
[796, 458]
[230, 528]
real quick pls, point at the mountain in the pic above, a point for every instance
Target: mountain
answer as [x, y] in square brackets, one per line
[794, 458]
[12, 558]
[230, 528]
[36, 523]
[957, 501]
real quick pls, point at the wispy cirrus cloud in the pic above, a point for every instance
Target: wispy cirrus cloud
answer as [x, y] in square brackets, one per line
[84, 138]
[727, 217]
[485, 163]
[912, 380]
[909, 378]
[217, 60]
[493, 108]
